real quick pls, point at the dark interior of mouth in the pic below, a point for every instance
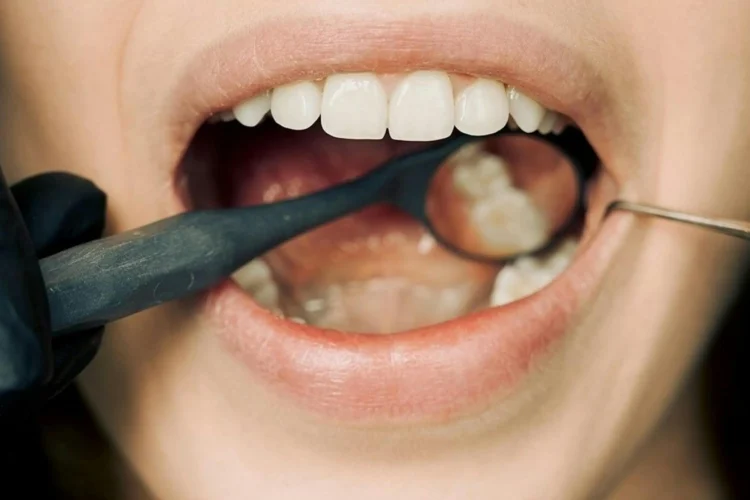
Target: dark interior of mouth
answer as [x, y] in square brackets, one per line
[375, 271]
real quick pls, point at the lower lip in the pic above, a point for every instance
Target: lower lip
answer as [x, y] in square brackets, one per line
[434, 374]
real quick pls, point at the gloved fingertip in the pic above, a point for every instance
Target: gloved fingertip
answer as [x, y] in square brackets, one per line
[24, 363]
[61, 210]
[72, 355]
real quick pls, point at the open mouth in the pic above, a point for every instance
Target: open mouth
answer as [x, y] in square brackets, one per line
[369, 316]
[381, 271]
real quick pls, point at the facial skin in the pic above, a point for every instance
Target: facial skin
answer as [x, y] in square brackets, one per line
[84, 87]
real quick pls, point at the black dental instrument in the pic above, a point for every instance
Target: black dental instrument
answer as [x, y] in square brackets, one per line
[108, 279]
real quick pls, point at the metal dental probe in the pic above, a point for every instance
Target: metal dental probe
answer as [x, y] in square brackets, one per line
[736, 228]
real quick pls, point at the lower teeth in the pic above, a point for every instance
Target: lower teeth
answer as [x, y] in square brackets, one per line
[401, 305]
[257, 280]
[390, 304]
[382, 305]
[528, 275]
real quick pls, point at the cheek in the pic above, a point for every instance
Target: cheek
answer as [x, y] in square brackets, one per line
[60, 92]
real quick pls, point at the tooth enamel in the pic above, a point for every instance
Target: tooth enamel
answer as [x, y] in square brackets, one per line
[468, 153]
[422, 107]
[527, 112]
[482, 108]
[560, 125]
[256, 279]
[226, 116]
[296, 106]
[251, 112]
[267, 296]
[548, 122]
[510, 221]
[314, 305]
[355, 106]
[400, 305]
[253, 275]
[528, 275]
[481, 176]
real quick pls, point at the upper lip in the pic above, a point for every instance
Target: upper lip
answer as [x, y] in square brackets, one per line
[361, 370]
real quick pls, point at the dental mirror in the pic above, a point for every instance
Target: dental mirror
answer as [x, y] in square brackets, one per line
[510, 196]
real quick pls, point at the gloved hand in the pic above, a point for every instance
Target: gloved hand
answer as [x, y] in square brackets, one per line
[40, 217]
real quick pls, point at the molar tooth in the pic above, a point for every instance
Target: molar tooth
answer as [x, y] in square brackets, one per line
[526, 111]
[296, 106]
[483, 176]
[422, 107]
[482, 108]
[510, 286]
[314, 305]
[251, 112]
[355, 106]
[510, 221]
[530, 274]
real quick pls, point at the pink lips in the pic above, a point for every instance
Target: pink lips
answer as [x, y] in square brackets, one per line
[432, 374]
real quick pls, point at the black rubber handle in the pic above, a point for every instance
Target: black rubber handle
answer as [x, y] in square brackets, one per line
[109, 279]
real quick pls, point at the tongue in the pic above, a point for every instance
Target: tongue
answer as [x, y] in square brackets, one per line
[376, 271]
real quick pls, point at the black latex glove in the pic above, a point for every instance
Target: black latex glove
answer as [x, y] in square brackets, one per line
[40, 217]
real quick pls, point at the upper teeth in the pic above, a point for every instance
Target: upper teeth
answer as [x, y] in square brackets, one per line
[354, 106]
[482, 108]
[419, 106]
[251, 112]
